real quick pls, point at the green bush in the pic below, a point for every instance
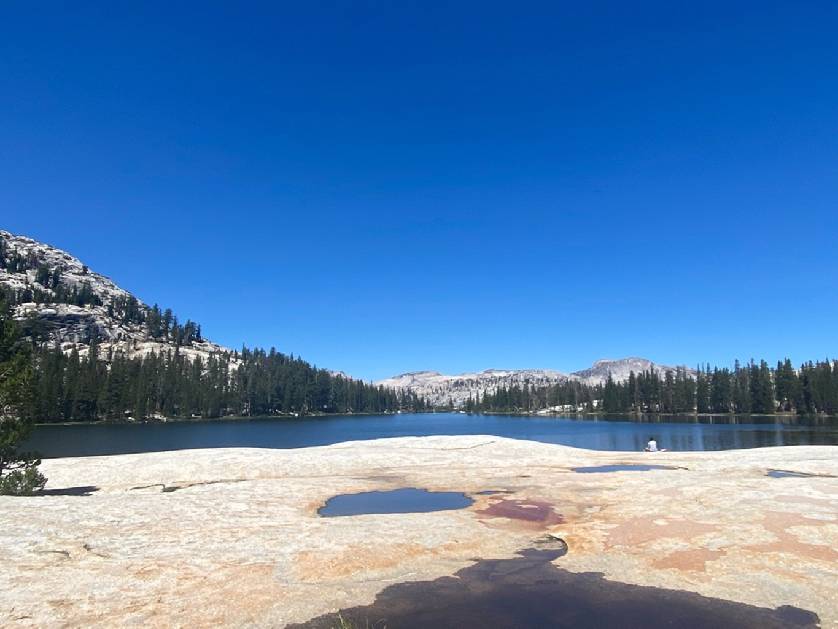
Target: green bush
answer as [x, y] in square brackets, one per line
[19, 475]
[24, 481]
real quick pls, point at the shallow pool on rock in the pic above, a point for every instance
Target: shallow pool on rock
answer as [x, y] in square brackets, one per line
[405, 500]
[788, 474]
[600, 469]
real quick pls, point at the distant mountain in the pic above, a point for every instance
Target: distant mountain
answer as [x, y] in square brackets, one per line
[70, 306]
[619, 370]
[440, 390]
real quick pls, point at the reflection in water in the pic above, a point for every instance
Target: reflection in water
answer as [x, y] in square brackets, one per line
[606, 433]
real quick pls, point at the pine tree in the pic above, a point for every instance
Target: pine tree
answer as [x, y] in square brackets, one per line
[702, 389]
[19, 474]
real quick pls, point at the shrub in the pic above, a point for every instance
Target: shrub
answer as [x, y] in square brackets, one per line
[23, 481]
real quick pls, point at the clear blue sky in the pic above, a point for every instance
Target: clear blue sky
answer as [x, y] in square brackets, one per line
[391, 186]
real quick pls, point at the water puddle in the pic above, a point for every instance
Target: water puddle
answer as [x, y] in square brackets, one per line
[405, 500]
[790, 474]
[600, 469]
[530, 591]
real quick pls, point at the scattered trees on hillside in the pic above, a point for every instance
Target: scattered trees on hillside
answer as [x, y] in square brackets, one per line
[63, 386]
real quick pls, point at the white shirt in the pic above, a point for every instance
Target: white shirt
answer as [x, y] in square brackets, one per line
[652, 446]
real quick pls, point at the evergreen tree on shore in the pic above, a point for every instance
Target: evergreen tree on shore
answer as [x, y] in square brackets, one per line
[752, 388]
[19, 474]
[250, 383]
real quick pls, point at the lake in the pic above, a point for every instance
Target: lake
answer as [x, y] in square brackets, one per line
[612, 433]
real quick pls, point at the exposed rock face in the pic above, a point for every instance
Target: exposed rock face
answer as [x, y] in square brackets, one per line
[231, 537]
[440, 389]
[71, 326]
[73, 272]
[620, 370]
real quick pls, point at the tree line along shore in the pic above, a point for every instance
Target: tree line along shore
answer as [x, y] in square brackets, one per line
[749, 389]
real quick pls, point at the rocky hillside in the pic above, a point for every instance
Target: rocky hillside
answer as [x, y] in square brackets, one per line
[439, 389]
[60, 298]
[619, 370]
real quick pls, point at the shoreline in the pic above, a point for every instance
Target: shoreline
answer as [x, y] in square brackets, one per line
[656, 417]
[195, 420]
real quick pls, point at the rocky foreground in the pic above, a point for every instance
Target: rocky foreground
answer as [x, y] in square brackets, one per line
[232, 537]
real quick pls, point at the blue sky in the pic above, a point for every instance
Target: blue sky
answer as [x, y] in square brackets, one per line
[384, 187]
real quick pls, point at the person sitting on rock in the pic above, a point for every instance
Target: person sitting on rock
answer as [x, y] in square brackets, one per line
[652, 446]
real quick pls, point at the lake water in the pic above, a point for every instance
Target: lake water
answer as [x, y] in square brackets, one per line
[615, 433]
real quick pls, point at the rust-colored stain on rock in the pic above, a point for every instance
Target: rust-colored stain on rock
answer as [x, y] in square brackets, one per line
[692, 560]
[319, 565]
[531, 511]
[329, 565]
[642, 530]
[781, 525]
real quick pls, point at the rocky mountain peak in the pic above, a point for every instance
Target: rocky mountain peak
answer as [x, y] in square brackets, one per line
[69, 305]
[440, 389]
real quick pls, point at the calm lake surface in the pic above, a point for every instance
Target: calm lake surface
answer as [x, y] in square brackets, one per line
[613, 433]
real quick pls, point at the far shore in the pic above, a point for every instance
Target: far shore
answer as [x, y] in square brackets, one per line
[654, 417]
[186, 420]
